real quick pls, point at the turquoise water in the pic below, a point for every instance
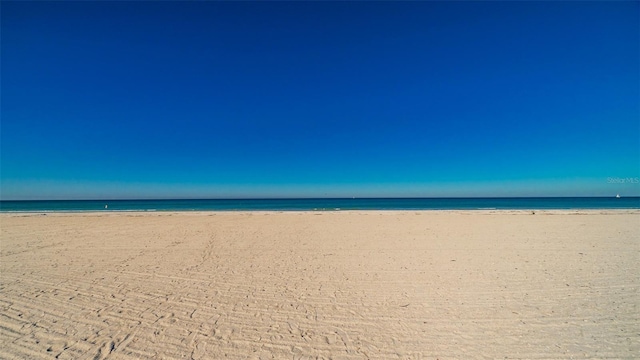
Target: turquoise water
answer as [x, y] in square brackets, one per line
[324, 204]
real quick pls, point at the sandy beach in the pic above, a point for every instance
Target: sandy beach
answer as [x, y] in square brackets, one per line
[327, 285]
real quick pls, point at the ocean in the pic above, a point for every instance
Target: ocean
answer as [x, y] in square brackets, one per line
[540, 203]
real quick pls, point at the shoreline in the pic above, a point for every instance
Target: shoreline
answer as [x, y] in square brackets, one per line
[604, 211]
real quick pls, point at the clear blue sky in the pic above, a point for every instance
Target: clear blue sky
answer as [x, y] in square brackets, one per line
[281, 99]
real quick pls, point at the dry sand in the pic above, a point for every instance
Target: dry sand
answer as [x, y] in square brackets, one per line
[341, 285]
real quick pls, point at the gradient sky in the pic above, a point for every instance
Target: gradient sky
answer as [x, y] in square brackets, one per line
[290, 99]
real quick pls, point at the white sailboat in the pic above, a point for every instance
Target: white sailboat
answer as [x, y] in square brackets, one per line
[617, 196]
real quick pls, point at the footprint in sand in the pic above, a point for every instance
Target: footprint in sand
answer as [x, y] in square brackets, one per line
[200, 351]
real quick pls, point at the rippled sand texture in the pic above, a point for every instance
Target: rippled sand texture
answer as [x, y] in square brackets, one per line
[341, 285]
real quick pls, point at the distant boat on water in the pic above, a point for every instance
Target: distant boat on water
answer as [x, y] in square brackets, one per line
[617, 196]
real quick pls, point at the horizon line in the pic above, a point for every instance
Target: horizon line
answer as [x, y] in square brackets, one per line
[330, 198]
